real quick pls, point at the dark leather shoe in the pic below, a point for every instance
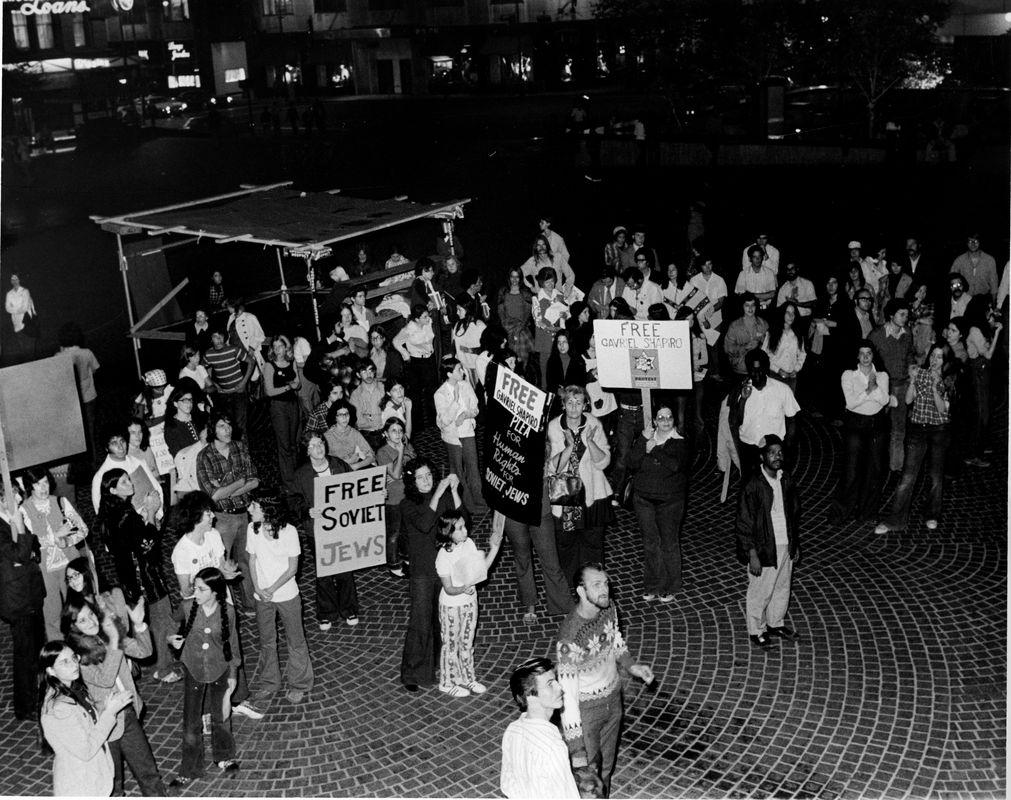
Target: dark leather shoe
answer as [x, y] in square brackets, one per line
[783, 633]
[760, 641]
[411, 687]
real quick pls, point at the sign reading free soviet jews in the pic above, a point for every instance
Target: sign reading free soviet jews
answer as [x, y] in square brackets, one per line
[515, 429]
[643, 354]
[350, 526]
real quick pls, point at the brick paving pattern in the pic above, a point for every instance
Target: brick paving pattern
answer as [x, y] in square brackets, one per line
[897, 687]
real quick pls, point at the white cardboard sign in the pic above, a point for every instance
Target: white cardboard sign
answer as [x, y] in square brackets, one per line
[643, 354]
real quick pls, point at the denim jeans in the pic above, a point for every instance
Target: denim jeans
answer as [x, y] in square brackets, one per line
[163, 624]
[463, 463]
[920, 440]
[660, 523]
[222, 744]
[601, 731]
[299, 668]
[578, 547]
[979, 369]
[859, 490]
[232, 528]
[897, 416]
[27, 638]
[133, 746]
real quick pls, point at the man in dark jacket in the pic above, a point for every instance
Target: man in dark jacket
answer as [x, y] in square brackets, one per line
[21, 594]
[767, 544]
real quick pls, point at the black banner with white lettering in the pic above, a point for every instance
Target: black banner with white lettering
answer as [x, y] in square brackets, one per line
[515, 432]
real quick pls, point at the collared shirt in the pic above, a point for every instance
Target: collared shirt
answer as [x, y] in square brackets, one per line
[924, 410]
[316, 422]
[365, 400]
[778, 510]
[789, 356]
[215, 470]
[535, 761]
[640, 300]
[760, 282]
[770, 261]
[766, 410]
[858, 399]
[799, 290]
[450, 400]
[417, 339]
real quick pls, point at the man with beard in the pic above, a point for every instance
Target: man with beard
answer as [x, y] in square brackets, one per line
[590, 648]
[759, 408]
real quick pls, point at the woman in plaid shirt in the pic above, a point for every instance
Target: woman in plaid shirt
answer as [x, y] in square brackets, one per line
[929, 396]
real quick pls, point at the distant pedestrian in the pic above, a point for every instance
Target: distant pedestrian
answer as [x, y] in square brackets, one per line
[767, 543]
[19, 305]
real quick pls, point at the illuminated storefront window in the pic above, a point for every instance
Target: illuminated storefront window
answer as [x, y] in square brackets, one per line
[80, 35]
[44, 30]
[20, 25]
[176, 10]
[235, 75]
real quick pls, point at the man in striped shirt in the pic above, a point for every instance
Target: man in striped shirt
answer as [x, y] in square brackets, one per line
[535, 759]
[229, 369]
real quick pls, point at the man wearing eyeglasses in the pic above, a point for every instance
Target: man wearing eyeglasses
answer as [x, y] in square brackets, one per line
[864, 311]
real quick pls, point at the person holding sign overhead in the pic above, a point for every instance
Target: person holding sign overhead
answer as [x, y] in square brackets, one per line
[455, 412]
[460, 566]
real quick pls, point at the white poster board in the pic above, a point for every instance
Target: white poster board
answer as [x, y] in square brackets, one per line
[643, 354]
[350, 528]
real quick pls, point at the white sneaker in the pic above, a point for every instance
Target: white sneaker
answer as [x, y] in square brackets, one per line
[325, 625]
[931, 524]
[352, 621]
[247, 710]
[476, 687]
[881, 529]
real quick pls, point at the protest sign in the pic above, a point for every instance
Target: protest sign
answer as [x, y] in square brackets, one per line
[162, 454]
[513, 478]
[350, 528]
[643, 354]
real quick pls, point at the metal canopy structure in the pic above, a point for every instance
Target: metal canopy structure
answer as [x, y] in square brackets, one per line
[299, 224]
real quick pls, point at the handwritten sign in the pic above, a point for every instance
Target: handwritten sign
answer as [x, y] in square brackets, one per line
[514, 445]
[350, 528]
[160, 450]
[643, 354]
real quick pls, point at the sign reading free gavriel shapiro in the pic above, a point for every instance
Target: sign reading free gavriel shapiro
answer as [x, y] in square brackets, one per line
[643, 354]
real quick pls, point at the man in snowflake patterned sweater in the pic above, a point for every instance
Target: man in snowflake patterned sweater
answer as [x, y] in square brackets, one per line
[590, 648]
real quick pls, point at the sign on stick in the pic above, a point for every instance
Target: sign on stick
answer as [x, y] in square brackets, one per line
[643, 354]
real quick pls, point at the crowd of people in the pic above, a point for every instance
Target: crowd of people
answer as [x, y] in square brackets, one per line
[897, 351]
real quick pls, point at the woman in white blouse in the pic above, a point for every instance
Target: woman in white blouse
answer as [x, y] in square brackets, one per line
[548, 317]
[865, 390]
[416, 343]
[467, 335]
[784, 346]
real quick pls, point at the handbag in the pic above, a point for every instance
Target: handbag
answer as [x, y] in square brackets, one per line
[566, 490]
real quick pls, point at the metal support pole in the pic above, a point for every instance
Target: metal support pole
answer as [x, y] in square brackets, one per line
[284, 288]
[311, 274]
[447, 228]
[129, 306]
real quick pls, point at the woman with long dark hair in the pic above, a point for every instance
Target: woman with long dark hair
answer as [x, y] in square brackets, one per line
[134, 541]
[105, 643]
[185, 416]
[209, 643]
[565, 366]
[74, 727]
[515, 315]
[785, 346]
[423, 504]
[930, 396]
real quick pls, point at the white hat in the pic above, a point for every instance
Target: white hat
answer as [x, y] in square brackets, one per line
[854, 245]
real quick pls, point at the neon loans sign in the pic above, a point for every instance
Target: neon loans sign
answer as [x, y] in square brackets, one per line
[55, 7]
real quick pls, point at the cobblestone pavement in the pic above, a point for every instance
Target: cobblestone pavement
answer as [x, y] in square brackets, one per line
[897, 687]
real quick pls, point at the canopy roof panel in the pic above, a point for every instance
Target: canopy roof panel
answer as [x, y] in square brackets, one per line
[284, 217]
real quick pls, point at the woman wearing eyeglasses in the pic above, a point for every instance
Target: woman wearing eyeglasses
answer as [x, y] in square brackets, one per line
[660, 462]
